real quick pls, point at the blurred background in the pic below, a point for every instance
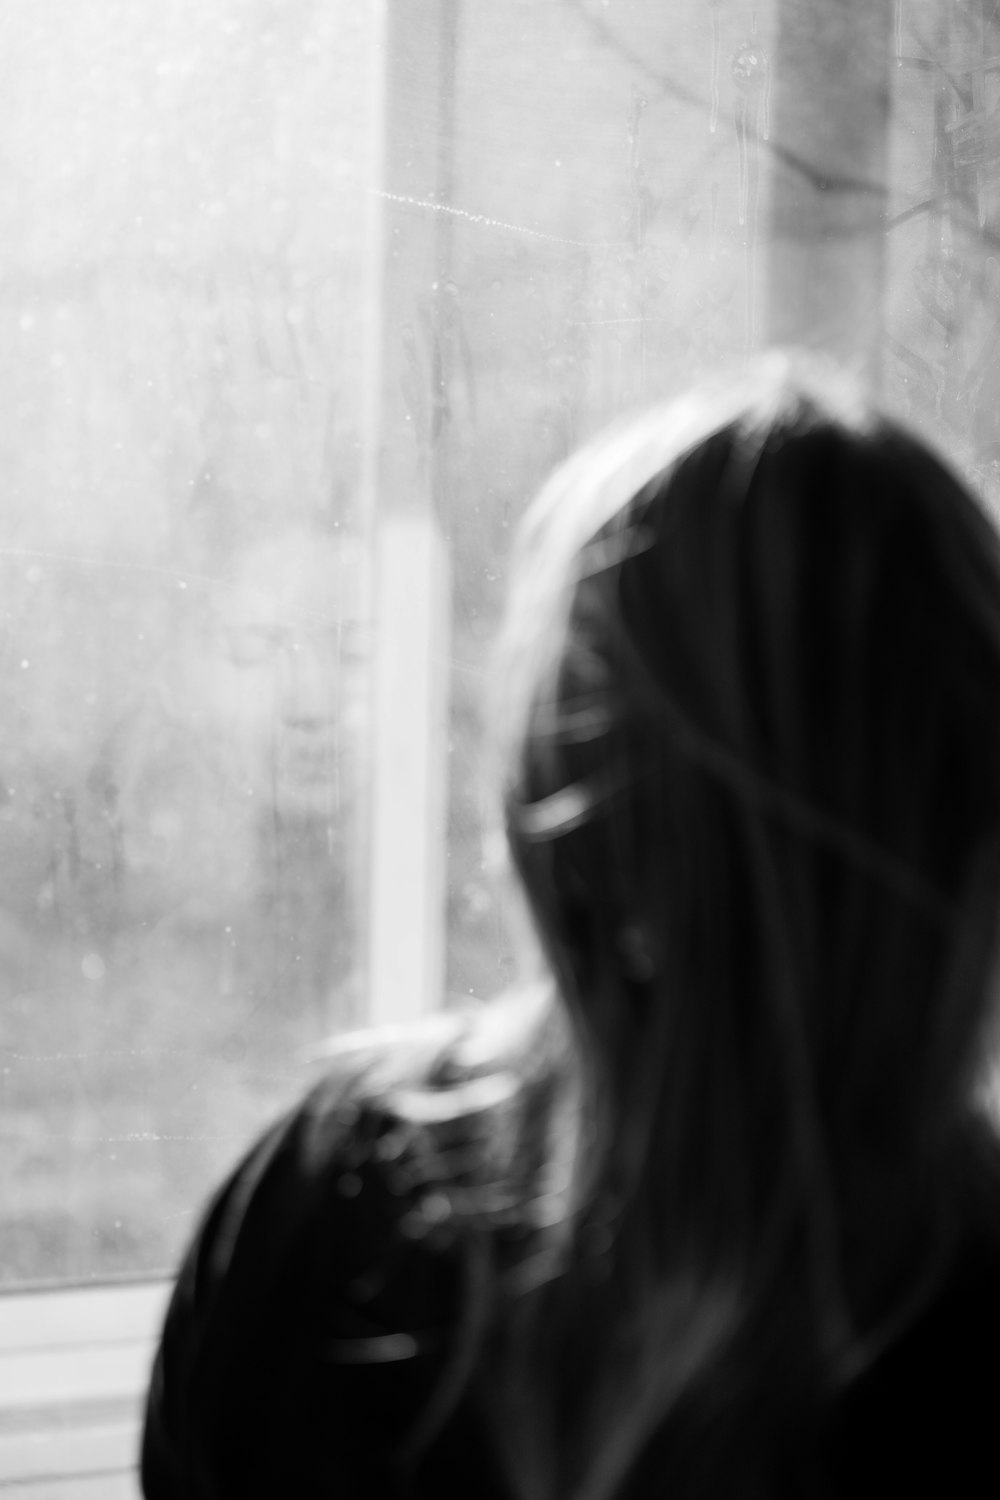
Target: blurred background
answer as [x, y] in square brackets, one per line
[300, 300]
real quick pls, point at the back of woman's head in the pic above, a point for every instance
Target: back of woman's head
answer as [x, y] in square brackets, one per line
[752, 788]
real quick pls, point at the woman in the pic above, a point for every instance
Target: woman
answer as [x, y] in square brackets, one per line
[716, 1210]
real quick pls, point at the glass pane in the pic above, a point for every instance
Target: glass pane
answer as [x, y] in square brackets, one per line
[225, 321]
[184, 642]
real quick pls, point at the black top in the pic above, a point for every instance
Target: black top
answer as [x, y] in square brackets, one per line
[310, 1322]
[314, 1314]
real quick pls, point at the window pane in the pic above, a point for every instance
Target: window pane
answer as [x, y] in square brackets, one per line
[184, 639]
[240, 346]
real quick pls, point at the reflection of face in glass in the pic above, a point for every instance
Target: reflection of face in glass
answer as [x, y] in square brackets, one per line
[255, 724]
[283, 679]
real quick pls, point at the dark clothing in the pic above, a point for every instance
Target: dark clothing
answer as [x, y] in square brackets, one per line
[313, 1319]
[307, 1330]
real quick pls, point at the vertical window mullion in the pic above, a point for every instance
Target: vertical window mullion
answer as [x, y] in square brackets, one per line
[408, 762]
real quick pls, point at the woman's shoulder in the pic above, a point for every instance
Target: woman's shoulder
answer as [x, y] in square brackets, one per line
[420, 1122]
[327, 1247]
[454, 1112]
[439, 1053]
[434, 1076]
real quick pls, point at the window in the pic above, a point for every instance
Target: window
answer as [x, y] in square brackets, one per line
[300, 299]
[300, 302]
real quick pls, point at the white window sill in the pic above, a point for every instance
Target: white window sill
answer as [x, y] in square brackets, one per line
[74, 1366]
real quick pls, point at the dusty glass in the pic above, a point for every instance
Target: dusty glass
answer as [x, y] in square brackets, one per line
[184, 644]
[300, 302]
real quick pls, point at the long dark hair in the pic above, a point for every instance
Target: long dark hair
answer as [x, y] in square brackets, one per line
[751, 779]
[750, 734]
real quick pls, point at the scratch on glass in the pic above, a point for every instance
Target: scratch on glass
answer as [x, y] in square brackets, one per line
[484, 221]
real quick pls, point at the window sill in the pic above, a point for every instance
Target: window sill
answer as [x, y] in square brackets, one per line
[74, 1365]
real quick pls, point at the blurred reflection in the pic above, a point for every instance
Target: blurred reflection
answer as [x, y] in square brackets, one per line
[284, 671]
[233, 786]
